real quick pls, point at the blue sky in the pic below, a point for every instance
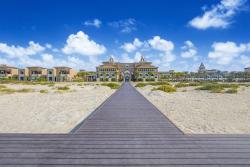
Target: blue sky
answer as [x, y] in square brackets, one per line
[173, 34]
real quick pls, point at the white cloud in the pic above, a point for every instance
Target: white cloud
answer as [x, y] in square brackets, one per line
[95, 23]
[164, 46]
[161, 44]
[18, 51]
[188, 50]
[130, 47]
[219, 16]
[125, 26]
[225, 53]
[126, 58]
[245, 60]
[81, 44]
[49, 46]
[167, 57]
[137, 57]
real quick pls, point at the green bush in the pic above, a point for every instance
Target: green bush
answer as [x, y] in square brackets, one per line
[25, 90]
[10, 91]
[142, 84]
[181, 85]
[111, 85]
[44, 91]
[166, 88]
[113, 79]
[187, 84]
[63, 88]
[139, 85]
[217, 88]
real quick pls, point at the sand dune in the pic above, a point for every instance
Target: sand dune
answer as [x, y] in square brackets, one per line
[196, 111]
[51, 112]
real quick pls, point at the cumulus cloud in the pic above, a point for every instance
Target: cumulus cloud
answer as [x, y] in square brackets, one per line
[188, 50]
[225, 52]
[19, 51]
[164, 46]
[161, 44]
[81, 44]
[130, 47]
[95, 23]
[125, 26]
[219, 16]
[126, 58]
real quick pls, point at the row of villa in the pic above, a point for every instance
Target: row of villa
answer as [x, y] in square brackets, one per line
[116, 71]
[108, 71]
[55, 74]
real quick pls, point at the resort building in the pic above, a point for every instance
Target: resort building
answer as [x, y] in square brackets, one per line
[8, 71]
[247, 69]
[36, 73]
[62, 74]
[116, 71]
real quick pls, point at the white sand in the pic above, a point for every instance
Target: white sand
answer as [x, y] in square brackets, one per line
[203, 112]
[51, 112]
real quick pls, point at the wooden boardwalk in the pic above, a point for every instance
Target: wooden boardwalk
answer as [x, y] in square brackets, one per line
[126, 130]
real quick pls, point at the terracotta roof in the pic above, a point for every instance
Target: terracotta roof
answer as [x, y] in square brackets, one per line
[6, 66]
[36, 67]
[62, 67]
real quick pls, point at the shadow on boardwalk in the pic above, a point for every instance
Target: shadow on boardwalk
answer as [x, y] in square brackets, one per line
[126, 130]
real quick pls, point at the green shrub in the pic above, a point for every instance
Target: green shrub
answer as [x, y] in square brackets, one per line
[139, 85]
[142, 84]
[63, 88]
[44, 91]
[165, 88]
[25, 90]
[186, 84]
[217, 88]
[111, 85]
[181, 85]
[10, 91]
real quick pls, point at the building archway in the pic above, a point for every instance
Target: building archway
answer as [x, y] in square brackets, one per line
[127, 76]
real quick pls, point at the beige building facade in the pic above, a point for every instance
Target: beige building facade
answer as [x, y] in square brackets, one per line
[116, 71]
[8, 71]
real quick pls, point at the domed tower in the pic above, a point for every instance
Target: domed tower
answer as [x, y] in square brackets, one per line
[111, 60]
[142, 59]
[202, 68]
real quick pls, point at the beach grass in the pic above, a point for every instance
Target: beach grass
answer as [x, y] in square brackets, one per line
[44, 91]
[27, 82]
[218, 88]
[10, 91]
[187, 84]
[111, 85]
[165, 88]
[142, 84]
[63, 88]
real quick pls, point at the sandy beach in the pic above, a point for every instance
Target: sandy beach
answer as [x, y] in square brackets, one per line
[51, 112]
[201, 112]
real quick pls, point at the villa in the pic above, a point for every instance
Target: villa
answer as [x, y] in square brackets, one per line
[8, 71]
[116, 71]
[34, 73]
[62, 73]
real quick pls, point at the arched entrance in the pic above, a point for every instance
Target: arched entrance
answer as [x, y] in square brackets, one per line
[127, 76]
